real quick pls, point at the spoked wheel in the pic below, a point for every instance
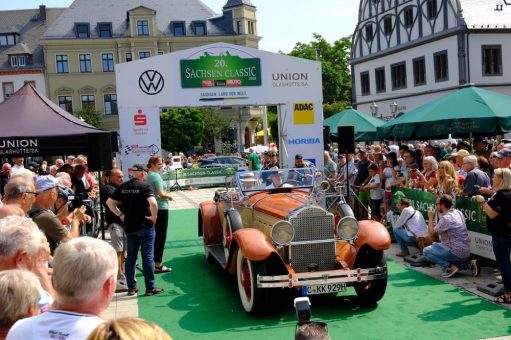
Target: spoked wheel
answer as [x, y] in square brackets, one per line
[370, 292]
[232, 223]
[252, 298]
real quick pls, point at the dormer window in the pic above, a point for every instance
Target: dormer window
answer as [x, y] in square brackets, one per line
[7, 39]
[431, 9]
[369, 32]
[387, 25]
[82, 30]
[408, 16]
[199, 28]
[142, 27]
[105, 30]
[178, 28]
[18, 60]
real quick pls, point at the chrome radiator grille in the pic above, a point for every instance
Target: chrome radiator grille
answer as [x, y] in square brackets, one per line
[313, 224]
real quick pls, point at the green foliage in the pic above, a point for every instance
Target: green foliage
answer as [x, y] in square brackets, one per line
[334, 64]
[181, 129]
[90, 116]
[329, 109]
[216, 125]
[273, 123]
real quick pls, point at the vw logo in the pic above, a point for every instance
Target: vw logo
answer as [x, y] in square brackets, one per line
[151, 82]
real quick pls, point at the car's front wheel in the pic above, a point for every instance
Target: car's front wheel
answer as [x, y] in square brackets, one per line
[370, 292]
[252, 298]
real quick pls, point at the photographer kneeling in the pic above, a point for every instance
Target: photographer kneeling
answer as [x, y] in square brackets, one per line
[410, 228]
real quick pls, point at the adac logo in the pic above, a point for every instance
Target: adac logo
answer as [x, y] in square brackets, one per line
[303, 113]
[151, 82]
[140, 118]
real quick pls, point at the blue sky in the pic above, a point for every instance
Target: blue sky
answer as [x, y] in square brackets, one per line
[281, 23]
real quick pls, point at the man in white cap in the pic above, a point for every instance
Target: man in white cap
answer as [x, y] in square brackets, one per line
[47, 194]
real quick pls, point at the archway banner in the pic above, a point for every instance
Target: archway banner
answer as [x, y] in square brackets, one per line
[230, 75]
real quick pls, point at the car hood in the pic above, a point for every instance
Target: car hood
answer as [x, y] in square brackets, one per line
[279, 205]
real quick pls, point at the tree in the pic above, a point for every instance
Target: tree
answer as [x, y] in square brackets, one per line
[334, 65]
[216, 126]
[90, 116]
[333, 108]
[181, 129]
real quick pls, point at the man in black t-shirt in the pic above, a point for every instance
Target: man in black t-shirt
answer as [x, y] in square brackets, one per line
[115, 226]
[139, 204]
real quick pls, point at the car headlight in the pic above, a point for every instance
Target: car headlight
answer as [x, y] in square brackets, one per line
[347, 228]
[282, 232]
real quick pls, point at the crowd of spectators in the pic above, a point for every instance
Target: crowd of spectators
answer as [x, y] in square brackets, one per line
[54, 281]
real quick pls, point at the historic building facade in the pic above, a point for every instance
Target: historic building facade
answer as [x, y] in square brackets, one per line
[82, 47]
[21, 56]
[406, 53]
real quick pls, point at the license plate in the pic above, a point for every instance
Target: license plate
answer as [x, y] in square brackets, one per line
[324, 289]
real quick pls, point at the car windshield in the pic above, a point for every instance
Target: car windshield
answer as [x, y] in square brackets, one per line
[251, 181]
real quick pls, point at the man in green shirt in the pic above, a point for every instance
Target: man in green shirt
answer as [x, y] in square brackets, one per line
[253, 159]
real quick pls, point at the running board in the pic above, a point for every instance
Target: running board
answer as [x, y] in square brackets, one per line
[217, 251]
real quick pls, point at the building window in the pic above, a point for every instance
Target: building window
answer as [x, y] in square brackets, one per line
[387, 25]
[199, 28]
[431, 9]
[82, 30]
[31, 82]
[364, 83]
[441, 67]
[128, 56]
[398, 75]
[161, 52]
[239, 27]
[18, 61]
[7, 39]
[7, 89]
[144, 54]
[251, 27]
[492, 60]
[111, 104]
[369, 32]
[66, 103]
[62, 64]
[85, 63]
[379, 75]
[408, 16]
[143, 27]
[178, 29]
[419, 71]
[107, 60]
[88, 101]
[105, 30]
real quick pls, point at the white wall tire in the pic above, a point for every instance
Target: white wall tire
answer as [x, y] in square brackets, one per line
[252, 298]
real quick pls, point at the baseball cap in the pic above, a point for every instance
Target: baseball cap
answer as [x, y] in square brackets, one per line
[139, 167]
[461, 153]
[504, 153]
[46, 182]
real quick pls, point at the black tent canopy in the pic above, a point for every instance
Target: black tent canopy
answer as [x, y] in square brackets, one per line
[32, 125]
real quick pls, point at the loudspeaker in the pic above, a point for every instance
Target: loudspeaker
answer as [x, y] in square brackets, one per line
[99, 156]
[326, 137]
[346, 139]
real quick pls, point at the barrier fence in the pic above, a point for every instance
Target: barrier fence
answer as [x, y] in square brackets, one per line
[199, 178]
[480, 238]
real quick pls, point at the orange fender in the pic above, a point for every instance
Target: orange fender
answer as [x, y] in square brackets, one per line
[373, 234]
[253, 244]
[211, 226]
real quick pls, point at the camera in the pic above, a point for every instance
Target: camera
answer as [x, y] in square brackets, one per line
[76, 201]
[303, 310]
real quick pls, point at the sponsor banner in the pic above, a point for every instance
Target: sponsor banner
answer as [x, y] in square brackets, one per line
[140, 135]
[303, 113]
[45, 146]
[480, 238]
[222, 70]
[208, 177]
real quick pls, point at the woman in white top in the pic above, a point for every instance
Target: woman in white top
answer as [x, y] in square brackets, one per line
[375, 190]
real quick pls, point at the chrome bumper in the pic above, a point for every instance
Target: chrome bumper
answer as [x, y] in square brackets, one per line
[321, 277]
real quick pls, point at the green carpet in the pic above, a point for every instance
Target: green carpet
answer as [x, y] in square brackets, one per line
[201, 302]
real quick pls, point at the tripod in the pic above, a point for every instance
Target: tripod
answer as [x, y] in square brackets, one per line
[176, 185]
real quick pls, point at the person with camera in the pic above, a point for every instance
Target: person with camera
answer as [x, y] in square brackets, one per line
[452, 253]
[46, 188]
[409, 227]
[498, 222]
[475, 178]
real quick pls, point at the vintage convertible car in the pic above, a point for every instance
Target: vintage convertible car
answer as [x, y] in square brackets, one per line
[272, 232]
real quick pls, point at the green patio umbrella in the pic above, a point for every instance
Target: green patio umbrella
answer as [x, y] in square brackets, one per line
[468, 111]
[365, 124]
